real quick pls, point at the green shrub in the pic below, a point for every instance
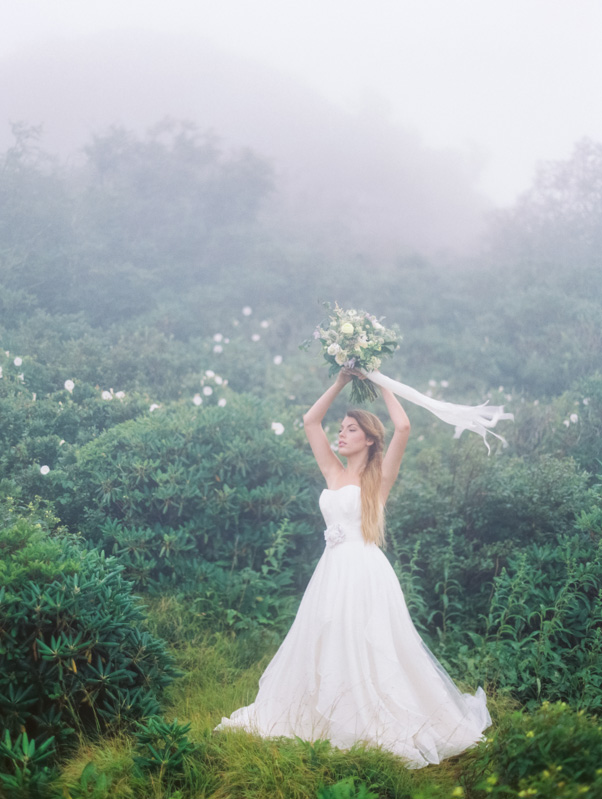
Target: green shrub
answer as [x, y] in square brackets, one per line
[457, 518]
[74, 655]
[542, 635]
[552, 752]
[212, 483]
[24, 771]
[162, 746]
[545, 624]
[348, 788]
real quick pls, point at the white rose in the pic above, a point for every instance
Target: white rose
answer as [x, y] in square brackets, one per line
[333, 349]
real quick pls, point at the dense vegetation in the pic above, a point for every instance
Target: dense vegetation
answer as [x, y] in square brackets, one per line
[151, 391]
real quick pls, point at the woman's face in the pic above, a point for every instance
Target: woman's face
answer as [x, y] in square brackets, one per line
[352, 438]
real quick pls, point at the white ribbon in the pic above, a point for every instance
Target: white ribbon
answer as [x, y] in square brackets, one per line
[476, 418]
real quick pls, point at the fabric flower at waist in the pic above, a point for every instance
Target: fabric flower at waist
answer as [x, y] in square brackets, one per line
[334, 535]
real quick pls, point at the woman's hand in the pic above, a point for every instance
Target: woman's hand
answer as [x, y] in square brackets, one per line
[347, 375]
[344, 376]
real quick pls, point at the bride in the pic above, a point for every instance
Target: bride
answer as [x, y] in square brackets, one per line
[353, 668]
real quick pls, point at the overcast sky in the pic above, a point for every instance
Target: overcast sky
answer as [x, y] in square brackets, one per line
[511, 82]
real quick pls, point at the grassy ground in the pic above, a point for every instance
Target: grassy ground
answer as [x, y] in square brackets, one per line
[220, 674]
[552, 752]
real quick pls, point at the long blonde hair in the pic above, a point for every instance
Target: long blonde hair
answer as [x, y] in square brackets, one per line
[373, 517]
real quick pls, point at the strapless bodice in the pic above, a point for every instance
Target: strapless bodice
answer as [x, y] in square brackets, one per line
[342, 511]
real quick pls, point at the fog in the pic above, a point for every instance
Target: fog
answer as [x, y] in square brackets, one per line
[342, 179]
[390, 129]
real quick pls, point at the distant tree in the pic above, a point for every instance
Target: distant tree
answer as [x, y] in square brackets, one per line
[160, 204]
[141, 215]
[35, 220]
[558, 222]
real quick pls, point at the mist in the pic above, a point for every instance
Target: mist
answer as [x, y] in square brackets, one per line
[350, 182]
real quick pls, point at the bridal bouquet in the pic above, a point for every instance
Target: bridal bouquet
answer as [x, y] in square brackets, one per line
[353, 339]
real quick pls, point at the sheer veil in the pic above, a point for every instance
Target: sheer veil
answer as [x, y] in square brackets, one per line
[476, 418]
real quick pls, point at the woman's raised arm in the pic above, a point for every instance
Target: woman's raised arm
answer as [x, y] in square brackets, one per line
[328, 462]
[397, 445]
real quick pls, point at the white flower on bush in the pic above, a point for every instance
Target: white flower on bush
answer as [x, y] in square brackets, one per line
[154, 407]
[69, 385]
[574, 418]
[0, 371]
[18, 361]
[277, 359]
[120, 394]
[445, 383]
[207, 391]
[432, 383]
[219, 380]
[247, 310]
[106, 395]
[218, 348]
[265, 323]
[255, 337]
[334, 348]
[566, 422]
[44, 469]
[222, 402]
[585, 399]
[197, 399]
[278, 428]
[22, 377]
[218, 337]
[61, 442]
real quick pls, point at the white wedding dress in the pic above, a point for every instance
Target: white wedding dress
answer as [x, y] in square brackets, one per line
[352, 668]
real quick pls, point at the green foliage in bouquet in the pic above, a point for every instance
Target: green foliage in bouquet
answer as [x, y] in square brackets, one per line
[354, 340]
[74, 655]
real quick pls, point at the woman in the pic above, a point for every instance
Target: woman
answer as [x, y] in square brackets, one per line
[352, 667]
